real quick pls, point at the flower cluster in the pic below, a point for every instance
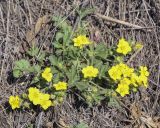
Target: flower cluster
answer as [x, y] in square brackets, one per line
[121, 70]
[39, 98]
[127, 77]
[85, 76]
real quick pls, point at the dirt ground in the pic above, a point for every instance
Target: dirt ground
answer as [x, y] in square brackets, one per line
[19, 17]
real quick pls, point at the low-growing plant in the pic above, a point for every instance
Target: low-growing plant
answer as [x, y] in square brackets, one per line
[94, 72]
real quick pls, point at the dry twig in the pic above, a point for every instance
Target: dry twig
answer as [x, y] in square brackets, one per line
[118, 21]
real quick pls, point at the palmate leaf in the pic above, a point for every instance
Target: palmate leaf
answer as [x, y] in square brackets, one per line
[36, 68]
[33, 51]
[17, 73]
[41, 56]
[21, 66]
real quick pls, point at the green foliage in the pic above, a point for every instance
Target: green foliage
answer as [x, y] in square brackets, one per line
[21, 66]
[84, 12]
[66, 61]
[33, 51]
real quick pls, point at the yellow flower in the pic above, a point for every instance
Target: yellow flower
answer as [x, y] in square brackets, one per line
[126, 71]
[14, 101]
[144, 71]
[123, 47]
[60, 86]
[81, 40]
[138, 46]
[90, 72]
[47, 75]
[134, 79]
[125, 81]
[115, 73]
[44, 101]
[123, 89]
[34, 95]
[143, 80]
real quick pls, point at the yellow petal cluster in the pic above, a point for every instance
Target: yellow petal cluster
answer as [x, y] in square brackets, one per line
[34, 95]
[47, 75]
[123, 89]
[90, 72]
[39, 98]
[143, 78]
[134, 79]
[115, 73]
[123, 47]
[44, 101]
[14, 101]
[60, 86]
[81, 40]
[126, 77]
[121, 70]
[144, 71]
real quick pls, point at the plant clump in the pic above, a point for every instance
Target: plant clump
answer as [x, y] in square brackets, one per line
[78, 65]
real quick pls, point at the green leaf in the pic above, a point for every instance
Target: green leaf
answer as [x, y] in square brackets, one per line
[35, 80]
[22, 65]
[101, 51]
[59, 36]
[33, 51]
[59, 52]
[72, 75]
[103, 69]
[97, 63]
[98, 98]
[57, 45]
[84, 12]
[82, 125]
[113, 103]
[53, 59]
[41, 56]
[82, 85]
[17, 73]
[37, 68]
[57, 19]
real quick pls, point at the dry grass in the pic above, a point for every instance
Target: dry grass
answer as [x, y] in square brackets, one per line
[17, 17]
